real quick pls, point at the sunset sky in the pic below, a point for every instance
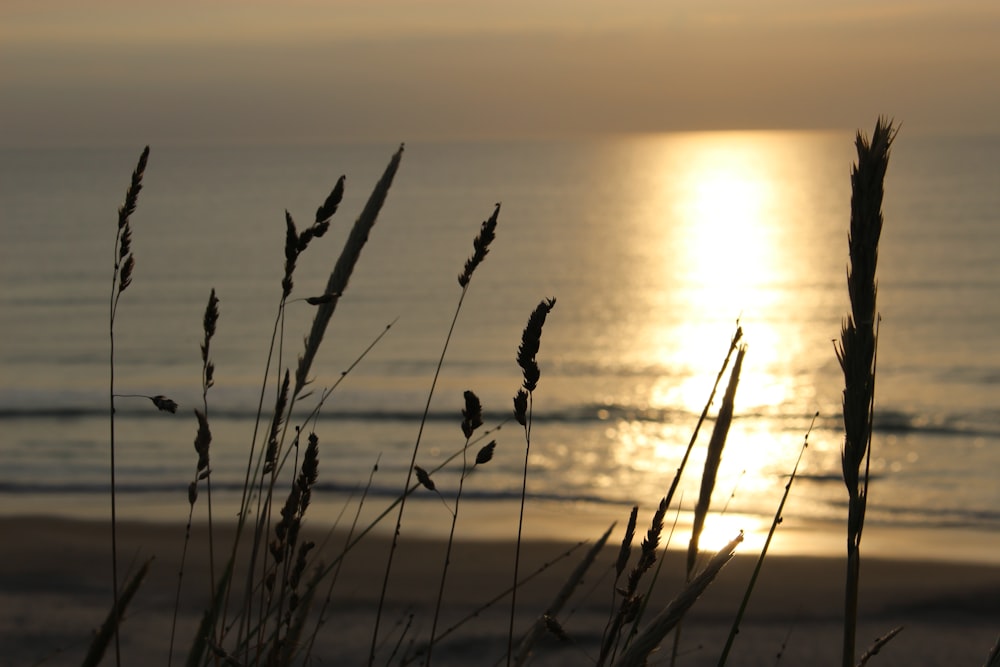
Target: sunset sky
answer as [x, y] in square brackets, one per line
[106, 72]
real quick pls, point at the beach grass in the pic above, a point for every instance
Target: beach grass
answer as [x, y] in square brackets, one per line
[270, 599]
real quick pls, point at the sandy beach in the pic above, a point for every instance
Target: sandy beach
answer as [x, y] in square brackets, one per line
[55, 591]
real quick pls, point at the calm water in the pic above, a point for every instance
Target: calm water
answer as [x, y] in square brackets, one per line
[654, 247]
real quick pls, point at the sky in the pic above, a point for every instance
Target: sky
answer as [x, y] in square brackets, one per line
[110, 72]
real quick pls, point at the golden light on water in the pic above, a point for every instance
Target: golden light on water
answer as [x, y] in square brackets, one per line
[727, 239]
[720, 529]
[728, 232]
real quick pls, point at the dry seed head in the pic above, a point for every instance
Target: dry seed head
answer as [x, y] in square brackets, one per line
[211, 315]
[317, 230]
[485, 454]
[647, 555]
[132, 194]
[164, 404]
[329, 207]
[531, 339]
[480, 247]
[276, 421]
[472, 414]
[291, 254]
[521, 407]
[300, 563]
[626, 549]
[320, 300]
[304, 238]
[209, 321]
[202, 440]
[424, 479]
[310, 472]
[125, 242]
[856, 352]
[125, 273]
[553, 626]
[631, 608]
[287, 528]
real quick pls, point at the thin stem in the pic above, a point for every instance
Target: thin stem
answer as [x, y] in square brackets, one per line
[180, 579]
[114, 503]
[336, 572]
[409, 478]
[113, 308]
[767, 543]
[447, 555]
[399, 499]
[520, 527]
[250, 475]
[502, 594]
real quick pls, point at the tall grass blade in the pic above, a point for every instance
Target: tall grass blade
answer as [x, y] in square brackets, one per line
[209, 620]
[539, 629]
[878, 645]
[713, 458]
[672, 490]
[342, 270]
[993, 659]
[475, 613]
[649, 639]
[109, 629]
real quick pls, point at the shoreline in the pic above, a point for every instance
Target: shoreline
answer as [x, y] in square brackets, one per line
[496, 521]
[55, 590]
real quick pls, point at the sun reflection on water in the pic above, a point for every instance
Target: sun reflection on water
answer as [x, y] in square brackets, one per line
[727, 236]
[722, 245]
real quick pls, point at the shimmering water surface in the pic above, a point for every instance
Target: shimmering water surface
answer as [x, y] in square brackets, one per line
[654, 246]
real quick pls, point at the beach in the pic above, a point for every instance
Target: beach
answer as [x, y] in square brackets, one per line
[56, 590]
[692, 187]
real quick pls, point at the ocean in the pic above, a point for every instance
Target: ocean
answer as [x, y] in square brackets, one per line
[655, 247]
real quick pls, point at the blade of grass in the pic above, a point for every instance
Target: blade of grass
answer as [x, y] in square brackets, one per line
[649, 639]
[109, 629]
[712, 460]
[540, 627]
[878, 645]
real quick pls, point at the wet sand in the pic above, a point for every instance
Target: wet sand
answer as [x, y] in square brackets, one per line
[55, 590]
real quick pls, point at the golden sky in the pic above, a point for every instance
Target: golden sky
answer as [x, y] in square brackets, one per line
[97, 72]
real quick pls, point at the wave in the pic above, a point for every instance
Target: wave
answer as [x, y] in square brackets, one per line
[901, 516]
[234, 486]
[887, 420]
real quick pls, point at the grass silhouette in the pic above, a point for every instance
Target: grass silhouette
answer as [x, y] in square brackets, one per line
[267, 601]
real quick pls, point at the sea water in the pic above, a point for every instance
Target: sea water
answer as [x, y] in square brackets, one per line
[656, 247]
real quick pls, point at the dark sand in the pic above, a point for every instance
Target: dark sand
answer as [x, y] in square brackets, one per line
[55, 590]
